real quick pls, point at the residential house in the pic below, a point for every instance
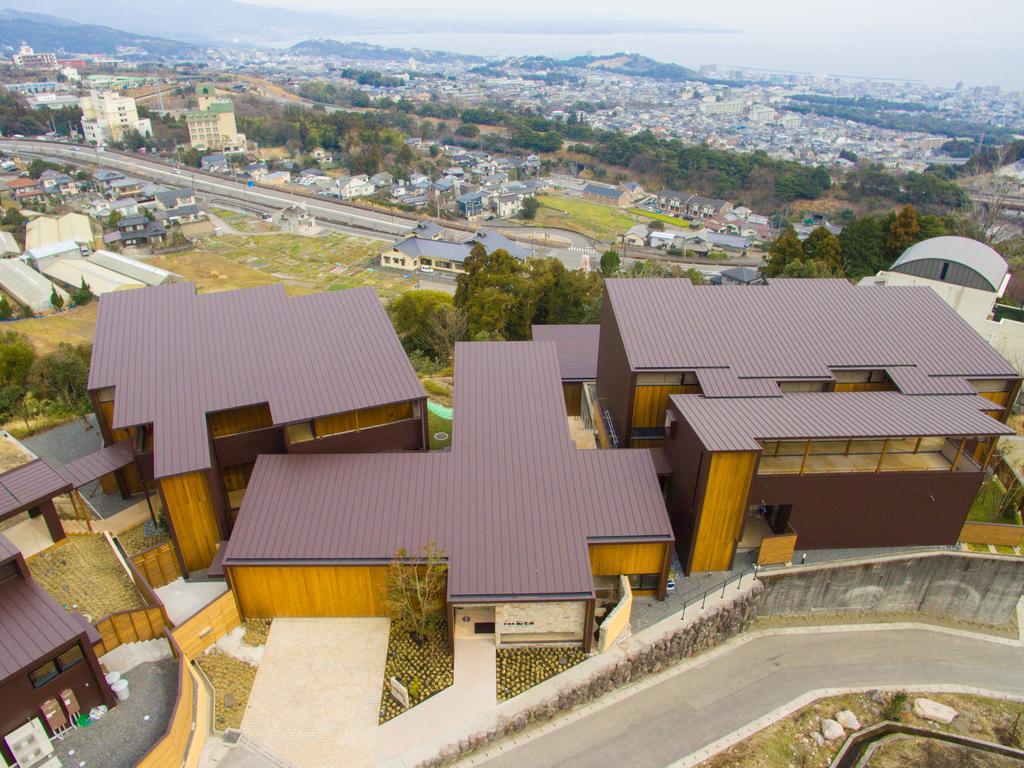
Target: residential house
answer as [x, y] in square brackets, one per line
[428, 229]
[415, 252]
[298, 220]
[57, 183]
[600, 515]
[215, 163]
[474, 205]
[27, 190]
[168, 199]
[104, 178]
[348, 187]
[125, 187]
[636, 235]
[136, 231]
[277, 178]
[382, 179]
[673, 202]
[321, 155]
[44, 650]
[741, 276]
[124, 206]
[253, 385]
[507, 205]
[867, 421]
[700, 207]
[309, 177]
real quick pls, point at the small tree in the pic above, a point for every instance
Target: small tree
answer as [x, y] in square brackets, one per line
[26, 311]
[530, 208]
[56, 300]
[656, 226]
[416, 586]
[83, 295]
[6, 311]
[610, 263]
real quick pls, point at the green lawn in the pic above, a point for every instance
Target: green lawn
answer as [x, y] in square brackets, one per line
[984, 508]
[436, 424]
[665, 218]
[603, 222]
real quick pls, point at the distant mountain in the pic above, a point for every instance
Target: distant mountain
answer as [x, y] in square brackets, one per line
[365, 51]
[51, 33]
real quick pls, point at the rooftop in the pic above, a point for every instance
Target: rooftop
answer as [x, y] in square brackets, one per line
[737, 423]
[577, 349]
[175, 356]
[976, 256]
[503, 538]
[740, 342]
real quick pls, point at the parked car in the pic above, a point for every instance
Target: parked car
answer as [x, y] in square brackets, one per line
[427, 270]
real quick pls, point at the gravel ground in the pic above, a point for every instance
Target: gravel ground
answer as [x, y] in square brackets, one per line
[83, 574]
[123, 735]
[232, 682]
[71, 441]
[135, 540]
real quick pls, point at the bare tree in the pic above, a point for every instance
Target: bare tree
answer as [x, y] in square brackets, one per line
[446, 327]
[416, 588]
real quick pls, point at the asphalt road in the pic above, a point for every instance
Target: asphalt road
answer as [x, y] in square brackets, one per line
[145, 168]
[657, 726]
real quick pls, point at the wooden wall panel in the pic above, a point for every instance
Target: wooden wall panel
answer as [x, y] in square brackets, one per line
[237, 478]
[244, 419]
[128, 627]
[192, 517]
[269, 591]
[203, 629]
[573, 393]
[650, 403]
[618, 559]
[363, 419]
[131, 473]
[172, 749]
[776, 550]
[865, 386]
[158, 564]
[722, 509]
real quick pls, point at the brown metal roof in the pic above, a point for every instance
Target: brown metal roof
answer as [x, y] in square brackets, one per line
[735, 424]
[175, 356]
[577, 349]
[29, 484]
[513, 503]
[798, 329]
[97, 464]
[32, 624]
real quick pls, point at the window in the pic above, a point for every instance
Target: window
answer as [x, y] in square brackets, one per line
[48, 671]
[644, 581]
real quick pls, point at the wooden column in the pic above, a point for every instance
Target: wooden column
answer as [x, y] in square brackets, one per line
[959, 453]
[807, 450]
[847, 451]
[881, 456]
[917, 445]
[991, 450]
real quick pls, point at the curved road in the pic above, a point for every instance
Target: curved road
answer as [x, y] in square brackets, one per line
[659, 725]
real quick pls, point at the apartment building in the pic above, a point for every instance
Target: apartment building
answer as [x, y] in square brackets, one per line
[212, 126]
[109, 116]
[201, 385]
[833, 415]
[27, 58]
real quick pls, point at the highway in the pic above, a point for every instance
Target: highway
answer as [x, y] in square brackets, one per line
[325, 209]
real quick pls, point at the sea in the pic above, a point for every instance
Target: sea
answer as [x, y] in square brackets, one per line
[887, 54]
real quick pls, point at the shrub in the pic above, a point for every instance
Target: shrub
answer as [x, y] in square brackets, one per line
[894, 709]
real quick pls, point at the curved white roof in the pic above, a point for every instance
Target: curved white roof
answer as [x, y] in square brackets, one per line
[983, 259]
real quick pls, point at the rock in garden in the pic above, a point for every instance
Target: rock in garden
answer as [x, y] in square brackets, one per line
[932, 710]
[817, 738]
[831, 730]
[848, 720]
[876, 696]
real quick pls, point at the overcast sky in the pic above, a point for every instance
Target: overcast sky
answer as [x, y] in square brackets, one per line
[980, 39]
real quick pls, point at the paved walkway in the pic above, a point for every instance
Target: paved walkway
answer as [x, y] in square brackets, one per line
[708, 698]
[316, 699]
[473, 691]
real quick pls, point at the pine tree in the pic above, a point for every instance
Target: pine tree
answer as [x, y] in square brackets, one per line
[904, 231]
[5, 309]
[786, 249]
[56, 300]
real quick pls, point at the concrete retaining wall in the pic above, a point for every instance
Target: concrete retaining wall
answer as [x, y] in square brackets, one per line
[979, 589]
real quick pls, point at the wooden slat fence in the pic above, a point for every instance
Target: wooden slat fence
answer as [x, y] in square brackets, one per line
[182, 742]
[128, 627]
[158, 564]
[203, 629]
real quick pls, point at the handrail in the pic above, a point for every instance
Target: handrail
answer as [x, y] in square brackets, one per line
[724, 585]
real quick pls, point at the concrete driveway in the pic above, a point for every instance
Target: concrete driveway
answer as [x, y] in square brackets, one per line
[316, 699]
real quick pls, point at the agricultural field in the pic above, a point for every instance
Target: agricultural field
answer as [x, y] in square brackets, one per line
[303, 264]
[594, 219]
[74, 326]
[246, 222]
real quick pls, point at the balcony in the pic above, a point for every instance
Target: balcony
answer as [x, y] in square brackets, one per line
[926, 454]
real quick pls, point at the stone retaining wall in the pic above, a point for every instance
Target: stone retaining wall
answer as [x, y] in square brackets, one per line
[968, 587]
